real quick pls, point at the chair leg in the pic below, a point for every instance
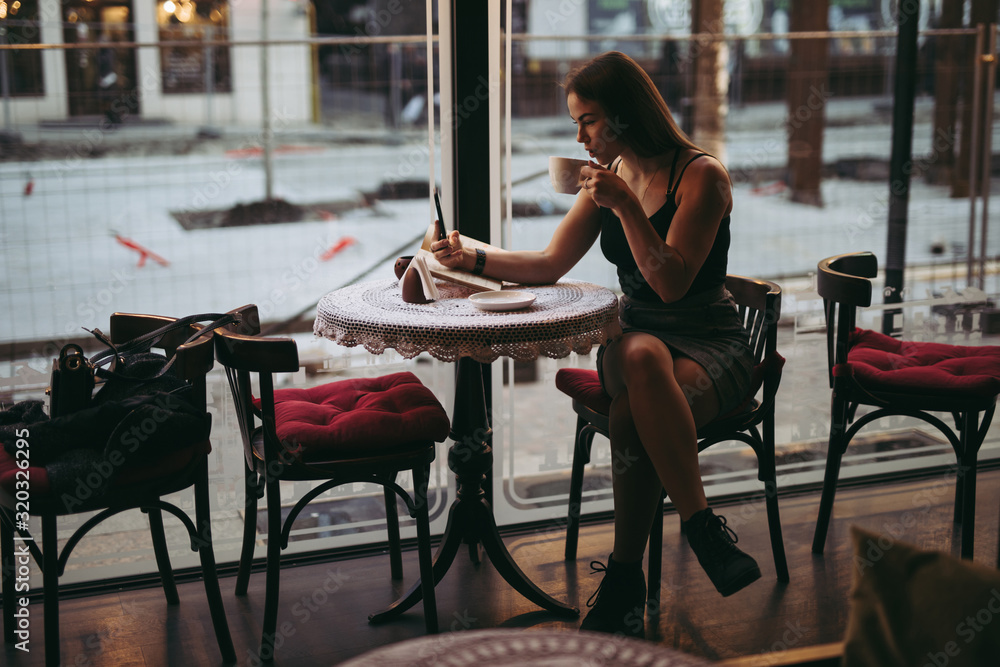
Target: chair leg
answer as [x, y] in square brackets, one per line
[769, 476]
[50, 584]
[655, 558]
[421, 478]
[962, 426]
[834, 454]
[206, 554]
[583, 441]
[249, 529]
[392, 526]
[826, 500]
[7, 575]
[967, 475]
[162, 554]
[774, 528]
[267, 642]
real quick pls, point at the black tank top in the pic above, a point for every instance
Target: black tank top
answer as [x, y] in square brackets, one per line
[615, 246]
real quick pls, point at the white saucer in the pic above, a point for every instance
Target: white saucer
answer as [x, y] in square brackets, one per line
[502, 300]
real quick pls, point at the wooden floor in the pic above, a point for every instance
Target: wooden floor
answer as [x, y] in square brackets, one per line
[324, 607]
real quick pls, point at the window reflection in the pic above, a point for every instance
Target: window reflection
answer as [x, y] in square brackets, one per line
[19, 25]
[196, 68]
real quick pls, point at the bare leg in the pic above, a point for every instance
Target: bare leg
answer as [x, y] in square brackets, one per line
[664, 399]
[654, 446]
[636, 485]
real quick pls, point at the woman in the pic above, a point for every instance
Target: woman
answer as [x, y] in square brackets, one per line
[661, 208]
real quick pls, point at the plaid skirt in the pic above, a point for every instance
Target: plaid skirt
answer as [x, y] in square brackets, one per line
[705, 327]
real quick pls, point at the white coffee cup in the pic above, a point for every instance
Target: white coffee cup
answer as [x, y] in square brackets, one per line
[564, 172]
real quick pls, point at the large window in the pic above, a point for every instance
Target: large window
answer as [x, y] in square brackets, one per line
[21, 71]
[281, 216]
[198, 67]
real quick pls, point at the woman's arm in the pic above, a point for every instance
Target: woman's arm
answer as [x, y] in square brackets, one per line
[669, 266]
[572, 239]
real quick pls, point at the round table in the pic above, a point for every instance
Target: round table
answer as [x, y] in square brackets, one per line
[570, 316]
[524, 648]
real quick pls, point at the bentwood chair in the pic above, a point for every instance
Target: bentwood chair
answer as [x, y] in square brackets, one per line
[131, 485]
[355, 430]
[759, 307]
[895, 377]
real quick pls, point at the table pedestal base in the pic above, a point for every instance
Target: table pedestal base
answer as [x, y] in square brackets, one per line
[470, 519]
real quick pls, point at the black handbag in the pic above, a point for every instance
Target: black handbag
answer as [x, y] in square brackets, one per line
[74, 376]
[72, 383]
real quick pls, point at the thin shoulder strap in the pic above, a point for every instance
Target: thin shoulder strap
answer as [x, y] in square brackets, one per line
[673, 168]
[674, 184]
[614, 164]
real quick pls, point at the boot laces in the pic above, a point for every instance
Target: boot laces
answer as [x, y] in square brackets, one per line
[721, 537]
[719, 523]
[596, 567]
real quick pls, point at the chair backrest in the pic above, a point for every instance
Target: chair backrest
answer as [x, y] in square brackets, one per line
[193, 360]
[242, 356]
[759, 305]
[249, 320]
[844, 283]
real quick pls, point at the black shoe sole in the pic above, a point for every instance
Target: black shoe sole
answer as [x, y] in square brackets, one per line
[742, 582]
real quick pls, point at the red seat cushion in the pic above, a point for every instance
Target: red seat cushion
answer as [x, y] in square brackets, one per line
[585, 386]
[38, 477]
[883, 363]
[361, 416]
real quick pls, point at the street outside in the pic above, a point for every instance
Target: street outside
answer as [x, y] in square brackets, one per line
[72, 248]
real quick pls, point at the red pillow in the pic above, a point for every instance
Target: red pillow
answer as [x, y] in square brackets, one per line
[360, 416]
[883, 363]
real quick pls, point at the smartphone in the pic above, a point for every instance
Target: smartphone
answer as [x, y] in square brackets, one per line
[441, 233]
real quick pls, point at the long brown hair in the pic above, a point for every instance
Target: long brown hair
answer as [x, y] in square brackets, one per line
[630, 101]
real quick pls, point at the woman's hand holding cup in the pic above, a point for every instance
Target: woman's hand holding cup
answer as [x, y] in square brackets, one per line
[603, 185]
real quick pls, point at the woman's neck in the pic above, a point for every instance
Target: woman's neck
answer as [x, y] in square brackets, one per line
[641, 168]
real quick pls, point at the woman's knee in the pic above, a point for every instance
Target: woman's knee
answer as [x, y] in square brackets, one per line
[643, 357]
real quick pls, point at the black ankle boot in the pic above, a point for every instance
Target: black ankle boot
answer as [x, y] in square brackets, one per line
[619, 603]
[715, 545]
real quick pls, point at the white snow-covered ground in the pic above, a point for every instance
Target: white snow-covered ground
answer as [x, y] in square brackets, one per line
[61, 267]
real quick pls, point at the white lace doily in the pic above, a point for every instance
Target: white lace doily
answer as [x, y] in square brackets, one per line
[570, 316]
